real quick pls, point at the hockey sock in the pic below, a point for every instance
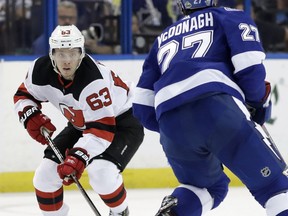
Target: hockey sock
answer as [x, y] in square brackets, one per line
[116, 199]
[219, 190]
[277, 205]
[63, 211]
[50, 201]
[192, 201]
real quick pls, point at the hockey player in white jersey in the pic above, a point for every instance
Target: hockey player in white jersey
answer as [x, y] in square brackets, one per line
[198, 79]
[101, 134]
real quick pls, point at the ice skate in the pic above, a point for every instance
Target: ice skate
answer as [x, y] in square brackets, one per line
[167, 203]
[123, 213]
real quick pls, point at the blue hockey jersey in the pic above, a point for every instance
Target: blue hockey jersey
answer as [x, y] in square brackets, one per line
[211, 50]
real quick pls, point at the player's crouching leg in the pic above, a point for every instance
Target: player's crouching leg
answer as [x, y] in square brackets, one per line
[277, 205]
[195, 201]
[106, 180]
[274, 197]
[49, 189]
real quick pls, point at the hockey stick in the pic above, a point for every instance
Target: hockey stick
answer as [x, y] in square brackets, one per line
[275, 149]
[61, 159]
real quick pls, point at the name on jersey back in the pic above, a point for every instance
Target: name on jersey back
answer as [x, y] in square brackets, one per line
[188, 24]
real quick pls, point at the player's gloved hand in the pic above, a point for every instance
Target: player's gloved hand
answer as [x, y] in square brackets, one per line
[74, 163]
[261, 111]
[33, 120]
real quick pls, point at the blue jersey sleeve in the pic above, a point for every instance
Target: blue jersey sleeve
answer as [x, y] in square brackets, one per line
[143, 105]
[247, 53]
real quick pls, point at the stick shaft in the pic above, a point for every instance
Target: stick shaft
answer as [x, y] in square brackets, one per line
[276, 150]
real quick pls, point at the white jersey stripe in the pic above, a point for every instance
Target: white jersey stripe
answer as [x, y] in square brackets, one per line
[148, 100]
[194, 81]
[247, 59]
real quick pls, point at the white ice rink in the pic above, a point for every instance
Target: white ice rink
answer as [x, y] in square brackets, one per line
[143, 202]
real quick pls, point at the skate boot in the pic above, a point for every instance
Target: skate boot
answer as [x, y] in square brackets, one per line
[124, 213]
[167, 203]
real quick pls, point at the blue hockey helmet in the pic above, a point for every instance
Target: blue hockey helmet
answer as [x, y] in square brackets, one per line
[195, 4]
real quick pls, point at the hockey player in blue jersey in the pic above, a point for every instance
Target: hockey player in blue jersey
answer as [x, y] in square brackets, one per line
[201, 75]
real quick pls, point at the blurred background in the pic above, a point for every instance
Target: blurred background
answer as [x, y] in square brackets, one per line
[119, 26]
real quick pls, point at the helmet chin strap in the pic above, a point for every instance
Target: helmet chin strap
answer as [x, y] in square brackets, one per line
[54, 64]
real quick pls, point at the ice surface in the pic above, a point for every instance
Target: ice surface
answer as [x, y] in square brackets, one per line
[142, 202]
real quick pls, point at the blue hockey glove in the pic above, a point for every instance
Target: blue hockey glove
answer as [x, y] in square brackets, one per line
[261, 111]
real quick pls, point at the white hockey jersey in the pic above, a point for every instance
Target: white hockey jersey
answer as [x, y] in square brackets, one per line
[91, 102]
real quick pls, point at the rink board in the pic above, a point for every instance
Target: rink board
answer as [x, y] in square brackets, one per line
[133, 178]
[20, 155]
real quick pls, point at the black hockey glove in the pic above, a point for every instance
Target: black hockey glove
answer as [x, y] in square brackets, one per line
[261, 111]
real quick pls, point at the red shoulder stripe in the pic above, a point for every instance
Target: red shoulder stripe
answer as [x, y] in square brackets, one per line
[21, 89]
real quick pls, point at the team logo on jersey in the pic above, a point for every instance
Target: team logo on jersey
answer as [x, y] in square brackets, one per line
[265, 172]
[74, 116]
